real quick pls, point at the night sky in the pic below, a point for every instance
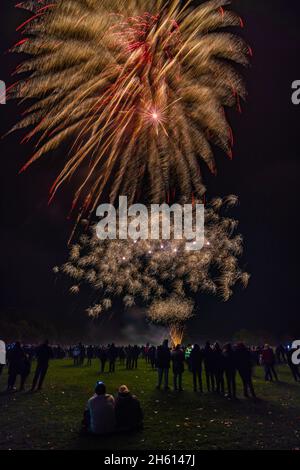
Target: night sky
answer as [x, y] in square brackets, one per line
[264, 174]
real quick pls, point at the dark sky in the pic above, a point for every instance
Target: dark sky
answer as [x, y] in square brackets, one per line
[264, 174]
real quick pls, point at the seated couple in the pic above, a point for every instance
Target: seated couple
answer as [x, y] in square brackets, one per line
[105, 415]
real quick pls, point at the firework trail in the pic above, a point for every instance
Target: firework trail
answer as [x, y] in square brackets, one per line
[137, 88]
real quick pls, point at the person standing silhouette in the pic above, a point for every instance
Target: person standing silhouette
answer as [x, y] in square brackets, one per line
[209, 369]
[196, 359]
[43, 354]
[112, 357]
[230, 370]
[163, 359]
[244, 368]
[177, 357]
[16, 357]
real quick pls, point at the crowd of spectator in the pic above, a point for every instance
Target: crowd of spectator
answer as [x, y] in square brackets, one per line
[214, 368]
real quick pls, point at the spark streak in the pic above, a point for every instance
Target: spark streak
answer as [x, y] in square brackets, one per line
[99, 67]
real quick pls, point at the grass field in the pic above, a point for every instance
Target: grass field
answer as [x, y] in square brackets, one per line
[173, 421]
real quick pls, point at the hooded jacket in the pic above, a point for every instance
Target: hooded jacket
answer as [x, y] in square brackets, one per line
[128, 412]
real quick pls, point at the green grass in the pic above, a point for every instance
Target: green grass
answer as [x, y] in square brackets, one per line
[185, 421]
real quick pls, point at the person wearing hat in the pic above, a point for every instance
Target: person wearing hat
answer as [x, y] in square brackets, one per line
[129, 414]
[99, 416]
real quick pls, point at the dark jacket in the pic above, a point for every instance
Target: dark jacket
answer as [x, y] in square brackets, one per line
[163, 357]
[43, 354]
[268, 356]
[16, 357]
[208, 358]
[218, 361]
[229, 360]
[26, 367]
[243, 360]
[112, 353]
[178, 361]
[102, 354]
[196, 359]
[128, 411]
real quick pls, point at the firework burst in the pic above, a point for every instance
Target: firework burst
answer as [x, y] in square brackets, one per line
[147, 271]
[174, 313]
[136, 87]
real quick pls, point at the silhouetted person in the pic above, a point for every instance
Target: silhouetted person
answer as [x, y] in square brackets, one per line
[151, 355]
[218, 368]
[135, 356]
[281, 354]
[146, 353]
[163, 359]
[244, 368]
[129, 356]
[112, 357]
[76, 355]
[268, 360]
[82, 353]
[128, 411]
[61, 353]
[177, 357]
[122, 356]
[255, 355]
[294, 367]
[230, 370]
[89, 355]
[25, 371]
[16, 357]
[103, 358]
[196, 359]
[43, 355]
[99, 415]
[208, 365]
